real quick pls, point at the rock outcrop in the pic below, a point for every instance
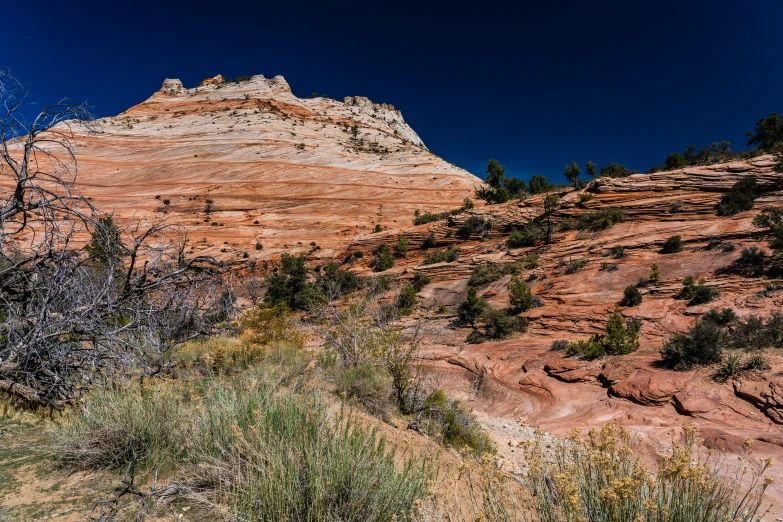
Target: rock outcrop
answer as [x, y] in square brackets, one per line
[251, 171]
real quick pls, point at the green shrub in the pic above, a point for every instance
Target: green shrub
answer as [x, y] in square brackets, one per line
[771, 218]
[615, 170]
[618, 252]
[114, 428]
[601, 219]
[520, 295]
[575, 265]
[526, 236]
[584, 197]
[429, 241]
[406, 299]
[740, 197]
[589, 349]
[485, 274]
[704, 294]
[756, 363]
[697, 293]
[383, 259]
[569, 224]
[752, 255]
[474, 225]
[449, 255]
[721, 317]
[428, 217]
[288, 284]
[672, 245]
[620, 337]
[493, 195]
[471, 309]
[631, 296]
[368, 384]
[331, 279]
[702, 344]
[499, 325]
[756, 333]
[400, 248]
[559, 345]
[449, 422]
[420, 281]
[654, 274]
[476, 337]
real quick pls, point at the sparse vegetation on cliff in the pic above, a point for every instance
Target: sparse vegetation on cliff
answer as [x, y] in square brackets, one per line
[620, 337]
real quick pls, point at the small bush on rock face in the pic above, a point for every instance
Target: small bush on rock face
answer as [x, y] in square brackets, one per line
[485, 274]
[618, 252]
[520, 296]
[752, 255]
[449, 255]
[697, 293]
[476, 337]
[560, 345]
[400, 248]
[601, 219]
[756, 363]
[672, 245]
[429, 241]
[620, 337]
[449, 422]
[474, 225]
[730, 367]
[469, 311]
[499, 325]
[631, 296]
[589, 350]
[740, 197]
[383, 260]
[702, 344]
[771, 218]
[575, 265]
[526, 236]
[420, 281]
[756, 333]
[407, 297]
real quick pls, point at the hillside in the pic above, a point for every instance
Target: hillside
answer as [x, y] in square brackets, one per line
[523, 378]
[281, 171]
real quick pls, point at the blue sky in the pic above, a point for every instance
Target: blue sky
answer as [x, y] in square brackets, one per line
[534, 86]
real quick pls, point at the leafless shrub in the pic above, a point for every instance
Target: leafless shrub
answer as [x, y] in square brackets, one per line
[82, 299]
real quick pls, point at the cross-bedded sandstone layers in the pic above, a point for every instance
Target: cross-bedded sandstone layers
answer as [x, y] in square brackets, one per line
[249, 163]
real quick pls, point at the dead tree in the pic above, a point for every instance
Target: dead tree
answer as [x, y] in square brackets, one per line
[83, 299]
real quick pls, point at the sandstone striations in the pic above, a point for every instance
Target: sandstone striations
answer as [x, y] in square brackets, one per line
[246, 164]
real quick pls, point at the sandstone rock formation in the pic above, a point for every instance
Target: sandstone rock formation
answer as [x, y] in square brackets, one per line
[251, 170]
[523, 378]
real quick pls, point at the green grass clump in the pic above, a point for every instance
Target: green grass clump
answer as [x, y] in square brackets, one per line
[114, 428]
[262, 449]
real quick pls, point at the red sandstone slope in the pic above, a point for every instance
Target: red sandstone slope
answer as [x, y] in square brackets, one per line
[281, 171]
[522, 378]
